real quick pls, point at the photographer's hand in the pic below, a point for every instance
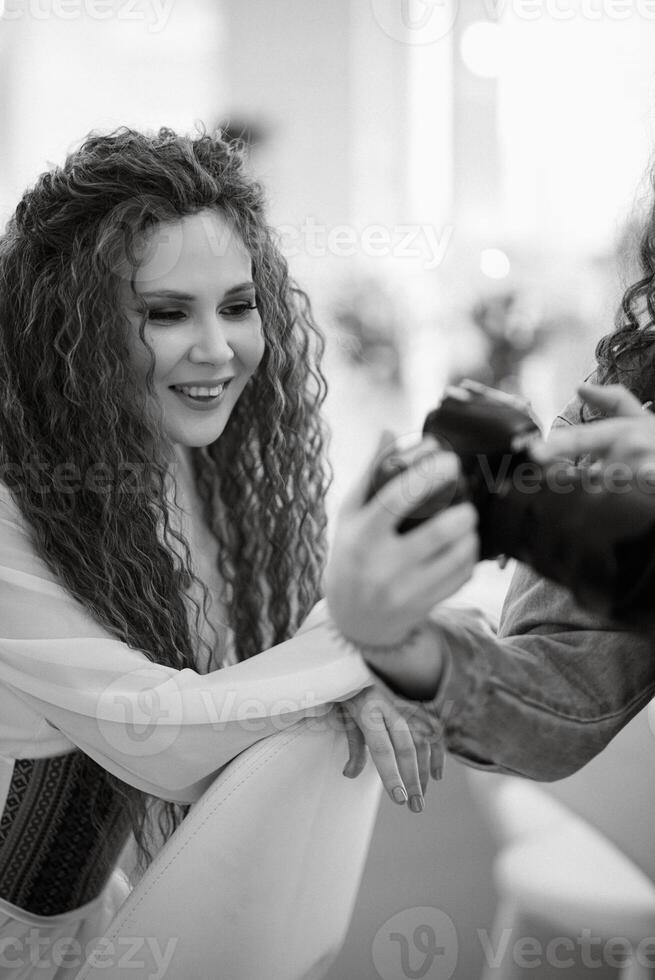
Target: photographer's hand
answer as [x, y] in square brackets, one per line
[381, 584]
[628, 437]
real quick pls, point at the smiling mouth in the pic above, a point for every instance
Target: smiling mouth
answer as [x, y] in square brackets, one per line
[200, 393]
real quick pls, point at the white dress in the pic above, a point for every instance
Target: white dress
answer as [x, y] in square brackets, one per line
[66, 684]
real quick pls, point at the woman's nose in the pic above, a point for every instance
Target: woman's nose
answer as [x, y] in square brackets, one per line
[210, 342]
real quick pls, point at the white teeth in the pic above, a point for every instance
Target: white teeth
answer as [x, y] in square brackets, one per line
[195, 390]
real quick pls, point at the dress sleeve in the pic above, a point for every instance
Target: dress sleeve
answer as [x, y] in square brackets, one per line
[163, 730]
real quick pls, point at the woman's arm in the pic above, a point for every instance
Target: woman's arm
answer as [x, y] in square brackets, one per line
[163, 730]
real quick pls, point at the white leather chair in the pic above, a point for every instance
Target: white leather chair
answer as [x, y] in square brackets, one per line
[556, 869]
[261, 878]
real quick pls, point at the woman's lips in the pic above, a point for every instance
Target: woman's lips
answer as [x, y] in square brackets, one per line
[201, 403]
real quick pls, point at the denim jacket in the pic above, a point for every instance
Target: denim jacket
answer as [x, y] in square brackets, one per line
[546, 693]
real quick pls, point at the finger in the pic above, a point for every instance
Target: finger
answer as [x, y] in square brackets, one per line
[439, 533]
[383, 753]
[496, 395]
[356, 752]
[612, 399]
[443, 575]
[578, 440]
[434, 471]
[437, 759]
[423, 762]
[355, 498]
[406, 756]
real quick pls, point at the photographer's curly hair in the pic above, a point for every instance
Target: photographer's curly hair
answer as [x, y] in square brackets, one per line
[68, 393]
[627, 354]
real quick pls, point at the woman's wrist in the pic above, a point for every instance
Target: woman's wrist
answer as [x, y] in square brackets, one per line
[379, 649]
[411, 667]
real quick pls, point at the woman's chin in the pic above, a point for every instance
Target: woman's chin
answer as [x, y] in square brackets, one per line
[196, 426]
[200, 436]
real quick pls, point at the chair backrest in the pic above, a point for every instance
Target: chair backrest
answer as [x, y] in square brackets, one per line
[261, 878]
[514, 807]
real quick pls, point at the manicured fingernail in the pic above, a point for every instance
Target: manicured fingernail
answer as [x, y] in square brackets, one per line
[416, 804]
[438, 773]
[399, 795]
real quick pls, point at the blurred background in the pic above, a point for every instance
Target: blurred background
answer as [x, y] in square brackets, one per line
[459, 188]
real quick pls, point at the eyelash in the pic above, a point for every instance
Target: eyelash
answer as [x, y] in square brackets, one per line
[166, 316]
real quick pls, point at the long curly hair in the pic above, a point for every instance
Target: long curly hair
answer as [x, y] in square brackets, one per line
[626, 355]
[68, 393]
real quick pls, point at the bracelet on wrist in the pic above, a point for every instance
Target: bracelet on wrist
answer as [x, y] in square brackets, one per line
[375, 649]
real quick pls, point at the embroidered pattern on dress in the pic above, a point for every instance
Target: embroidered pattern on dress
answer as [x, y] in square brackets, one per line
[52, 857]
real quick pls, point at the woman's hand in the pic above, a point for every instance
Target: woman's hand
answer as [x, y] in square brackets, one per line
[380, 584]
[627, 438]
[405, 743]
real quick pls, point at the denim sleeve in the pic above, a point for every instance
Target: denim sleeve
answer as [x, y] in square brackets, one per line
[549, 691]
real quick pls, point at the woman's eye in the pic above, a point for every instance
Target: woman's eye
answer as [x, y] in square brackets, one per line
[238, 310]
[165, 316]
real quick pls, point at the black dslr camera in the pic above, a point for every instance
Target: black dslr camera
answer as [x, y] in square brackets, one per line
[572, 524]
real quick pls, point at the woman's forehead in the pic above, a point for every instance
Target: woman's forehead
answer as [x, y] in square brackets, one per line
[191, 249]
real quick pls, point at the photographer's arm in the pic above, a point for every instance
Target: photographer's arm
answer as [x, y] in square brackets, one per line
[540, 699]
[548, 693]
[556, 684]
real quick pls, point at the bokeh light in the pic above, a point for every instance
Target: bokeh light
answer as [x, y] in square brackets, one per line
[481, 48]
[494, 263]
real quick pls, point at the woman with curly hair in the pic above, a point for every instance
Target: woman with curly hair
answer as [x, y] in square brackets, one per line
[162, 521]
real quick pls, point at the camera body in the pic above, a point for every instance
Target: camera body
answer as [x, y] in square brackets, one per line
[563, 519]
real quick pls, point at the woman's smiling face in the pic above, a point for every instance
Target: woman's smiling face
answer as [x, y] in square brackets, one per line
[195, 275]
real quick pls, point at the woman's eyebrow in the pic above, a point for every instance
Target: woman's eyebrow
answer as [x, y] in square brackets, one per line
[239, 289]
[169, 294]
[188, 298]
